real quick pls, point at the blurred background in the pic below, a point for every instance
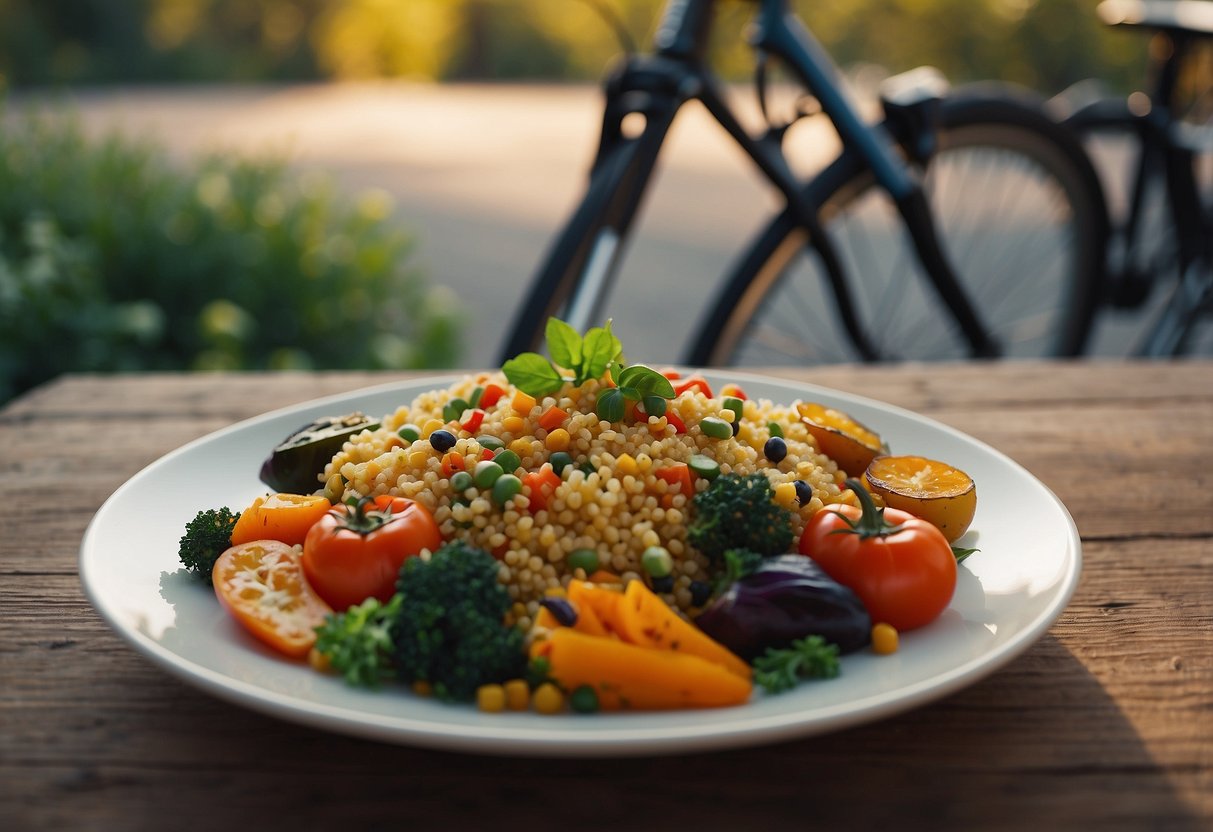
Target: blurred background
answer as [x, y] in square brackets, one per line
[235, 184]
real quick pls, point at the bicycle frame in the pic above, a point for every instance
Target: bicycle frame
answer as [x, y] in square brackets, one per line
[657, 85]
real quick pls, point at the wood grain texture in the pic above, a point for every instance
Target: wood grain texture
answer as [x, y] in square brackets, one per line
[1105, 723]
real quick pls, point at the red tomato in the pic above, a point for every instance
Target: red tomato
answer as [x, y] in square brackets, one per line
[901, 567]
[262, 585]
[354, 553]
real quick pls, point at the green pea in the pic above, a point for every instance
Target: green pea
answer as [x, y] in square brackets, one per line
[461, 481]
[657, 562]
[775, 429]
[560, 460]
[506, 488]
[584, 700]
[705, 466]
[490, 442]
[508, 460]
[409, 433]
[486, 473]
[716, 428]
[452, 410]
[734, 404]
[585, 559]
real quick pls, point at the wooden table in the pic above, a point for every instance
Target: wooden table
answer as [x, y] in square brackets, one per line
[1105, 723]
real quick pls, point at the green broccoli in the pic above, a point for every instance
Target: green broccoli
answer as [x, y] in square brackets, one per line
[739, 512]
[358, 642]
[450, 630]
[735, 565]
[207, 537]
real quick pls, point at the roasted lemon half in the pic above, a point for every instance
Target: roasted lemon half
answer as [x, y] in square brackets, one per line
[944, 496]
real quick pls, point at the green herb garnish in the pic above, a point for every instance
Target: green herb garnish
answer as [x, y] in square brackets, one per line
[811, 657]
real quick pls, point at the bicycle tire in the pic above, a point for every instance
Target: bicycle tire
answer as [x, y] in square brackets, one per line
[774, 309]
[1164, 307]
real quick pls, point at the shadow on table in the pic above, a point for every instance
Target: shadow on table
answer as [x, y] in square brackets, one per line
[969, 760]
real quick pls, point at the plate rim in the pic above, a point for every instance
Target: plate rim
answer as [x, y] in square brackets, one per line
[557, 741]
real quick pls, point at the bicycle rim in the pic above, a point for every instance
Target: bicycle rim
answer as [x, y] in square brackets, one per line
[1017, 218]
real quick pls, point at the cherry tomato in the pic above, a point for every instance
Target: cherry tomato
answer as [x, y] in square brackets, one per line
[285, 517]
[354, 553]
[901, 567]
[262, 585]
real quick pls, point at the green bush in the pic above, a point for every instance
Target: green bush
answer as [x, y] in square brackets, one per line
[114, 259]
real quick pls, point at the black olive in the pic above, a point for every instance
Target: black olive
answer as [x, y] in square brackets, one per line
[442, 440]
[775, 449]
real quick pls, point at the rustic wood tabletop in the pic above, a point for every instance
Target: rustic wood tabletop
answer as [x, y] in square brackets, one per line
[1105, 723]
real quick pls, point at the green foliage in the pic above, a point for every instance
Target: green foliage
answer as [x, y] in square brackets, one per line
[206, 537]
[781, 669]
[358, 642]
[450, 629]
[587, 357]
[738, 511]
[113, 259]
[1046, 44]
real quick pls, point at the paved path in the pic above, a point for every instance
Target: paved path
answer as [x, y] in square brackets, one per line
[485, 174]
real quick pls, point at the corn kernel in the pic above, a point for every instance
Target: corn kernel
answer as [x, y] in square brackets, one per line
[417, 459]
[514, 424]
[557, 440]
[521, 446]
[625, 465]
[490, 698]
[431, 426]
[547, 699]
[522, 402]
[785, 494]
[884, 639]
[517, 694]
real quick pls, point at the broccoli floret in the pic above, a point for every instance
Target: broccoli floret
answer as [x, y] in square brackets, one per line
[207, 537]
[358, 642]
[450, 631]
[735, 565]
[739, 512]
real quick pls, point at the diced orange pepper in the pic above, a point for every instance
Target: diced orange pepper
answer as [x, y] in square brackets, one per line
[733, 390]
[522, 402]
[542, 484]
[452, 462]
[553, 418]
[677, 475]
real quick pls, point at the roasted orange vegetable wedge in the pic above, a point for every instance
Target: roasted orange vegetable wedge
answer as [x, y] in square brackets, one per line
[851, 444]
[627, 676]
[944, 496]
[647, 621]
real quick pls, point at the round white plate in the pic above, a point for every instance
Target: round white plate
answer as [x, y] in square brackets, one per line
[1007, 596]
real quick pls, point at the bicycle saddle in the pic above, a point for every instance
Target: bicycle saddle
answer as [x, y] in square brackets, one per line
[1191, 17]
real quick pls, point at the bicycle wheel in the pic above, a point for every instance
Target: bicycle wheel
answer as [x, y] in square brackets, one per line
[1020, 214]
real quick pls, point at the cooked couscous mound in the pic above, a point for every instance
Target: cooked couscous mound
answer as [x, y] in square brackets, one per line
[612, 499]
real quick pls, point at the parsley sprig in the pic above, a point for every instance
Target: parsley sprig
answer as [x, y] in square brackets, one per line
[811, 657]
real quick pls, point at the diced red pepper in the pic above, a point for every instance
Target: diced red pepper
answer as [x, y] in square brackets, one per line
[734, 391]
[542, 485]
[694, 382]
[487, 453]
[552, 418]
[472, 419]
[491, 395]
[675, 420]
[671, 373]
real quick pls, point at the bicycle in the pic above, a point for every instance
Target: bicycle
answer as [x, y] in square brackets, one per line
[1014, 279]
[1165, 229]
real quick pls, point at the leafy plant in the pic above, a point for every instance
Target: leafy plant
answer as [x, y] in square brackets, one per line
[114, 259]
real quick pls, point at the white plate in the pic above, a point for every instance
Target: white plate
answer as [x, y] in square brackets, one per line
[1008, 594]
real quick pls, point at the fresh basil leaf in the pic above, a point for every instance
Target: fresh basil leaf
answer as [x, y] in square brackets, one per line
[654, 405]
[533, 374]
[598, 349]
[647, 381]
[564, 344]
[616, 369]
[609, 406]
